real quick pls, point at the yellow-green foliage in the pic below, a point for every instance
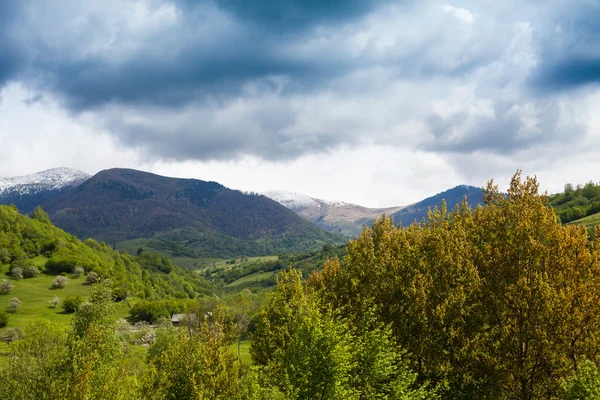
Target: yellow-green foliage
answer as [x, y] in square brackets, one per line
[496, 302]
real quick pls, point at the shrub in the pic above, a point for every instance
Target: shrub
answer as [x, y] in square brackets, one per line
[92, 277]
[16, 272]
[3, 319]
[5, 286]
[55, 301]
[10, 335]
[72, 303]
[60, 282]
[14, 304]
[30, 271]
[77, 271]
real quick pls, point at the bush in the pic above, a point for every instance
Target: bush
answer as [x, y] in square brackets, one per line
[55, 301]
[60, 282]
[16, 272]
[30, 271]
[92, 277]
[5, 286]
[14, 304]
[10, 335]
[72, 303]
[151, 311]
[3, 319]
[77, 271]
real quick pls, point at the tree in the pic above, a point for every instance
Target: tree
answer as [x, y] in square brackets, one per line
[197, 364]
[308, 352]
[14, 304]
[55, 300]
[30, 271]
[34, 370]
[5, 256]
[569, 189]
[94, 369]
[92, 277]
[60, 282]
[3, 319]
[10, 335]
[5, 287]
[584, 384]
[77, 271]
[496, 302]
[71, 303]
[41, 215]
[16, 272]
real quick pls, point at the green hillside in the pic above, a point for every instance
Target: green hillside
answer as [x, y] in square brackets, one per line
[576, 202]
[33, 253]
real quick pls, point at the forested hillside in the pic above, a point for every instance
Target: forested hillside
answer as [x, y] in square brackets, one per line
[204, 217]
[576, 202]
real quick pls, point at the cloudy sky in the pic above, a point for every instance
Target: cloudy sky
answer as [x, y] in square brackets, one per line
[370, 101]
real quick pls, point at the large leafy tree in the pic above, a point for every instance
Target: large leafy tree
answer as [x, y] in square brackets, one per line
[308, 351]
[496, 302]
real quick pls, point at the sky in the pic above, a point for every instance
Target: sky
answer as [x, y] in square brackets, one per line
[375, 102]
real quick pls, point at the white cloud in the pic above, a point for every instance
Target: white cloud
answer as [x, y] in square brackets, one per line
[460, 14]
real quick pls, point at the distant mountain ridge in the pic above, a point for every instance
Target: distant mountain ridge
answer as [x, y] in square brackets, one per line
[28, 191]
[349, 219]
[335, 216]
[453, 197]
[196, 217]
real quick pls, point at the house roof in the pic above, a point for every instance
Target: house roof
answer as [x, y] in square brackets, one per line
[177, 317]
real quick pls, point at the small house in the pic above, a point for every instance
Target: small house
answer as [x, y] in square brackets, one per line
[176, 319]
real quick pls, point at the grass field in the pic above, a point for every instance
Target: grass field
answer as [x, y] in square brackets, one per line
[255, 277]
[36, 294]
[244, 352]
[589, 221]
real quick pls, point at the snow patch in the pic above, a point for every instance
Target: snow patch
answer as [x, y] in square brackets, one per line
[292, 200]
[52, 179]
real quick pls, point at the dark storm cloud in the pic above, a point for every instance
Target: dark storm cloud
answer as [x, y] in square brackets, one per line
[294, 14]
[11, 56]
[568, 73]
[570, 53]
[192, 61]
[217, 79]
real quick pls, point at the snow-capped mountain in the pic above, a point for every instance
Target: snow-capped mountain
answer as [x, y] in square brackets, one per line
[349, 219]
[27, 192]
[336, 216]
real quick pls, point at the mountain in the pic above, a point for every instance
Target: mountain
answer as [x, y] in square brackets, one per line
[29, 191]
[349, 219]
[335, 216]
[453, 196]
[182, 216]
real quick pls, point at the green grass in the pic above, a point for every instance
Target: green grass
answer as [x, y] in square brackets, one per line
[588, 222]
[255, 277]
[244, 351]
[36, 294]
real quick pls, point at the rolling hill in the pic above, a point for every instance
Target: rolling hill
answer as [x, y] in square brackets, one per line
[203, 219]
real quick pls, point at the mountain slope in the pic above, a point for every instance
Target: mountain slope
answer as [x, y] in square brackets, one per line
[452, 196]
[27, 192]
[335, 216]
[121, 204]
